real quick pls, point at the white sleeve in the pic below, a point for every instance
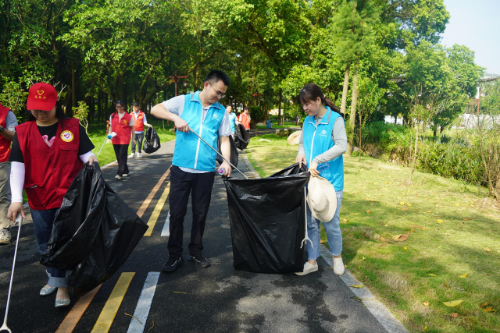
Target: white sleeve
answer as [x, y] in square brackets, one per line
[175, 105]
[85, 157]
[17, 172]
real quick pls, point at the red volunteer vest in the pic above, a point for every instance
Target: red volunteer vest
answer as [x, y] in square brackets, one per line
[4, 143]
[244, 120]
[139, 122]
[121, 128]
[49, 170]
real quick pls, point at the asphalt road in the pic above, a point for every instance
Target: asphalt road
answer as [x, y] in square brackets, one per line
[214, 299]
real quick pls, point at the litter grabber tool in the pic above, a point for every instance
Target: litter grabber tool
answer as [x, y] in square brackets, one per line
[19, 220]
[304, 241]
[235, 168]
[110, 136]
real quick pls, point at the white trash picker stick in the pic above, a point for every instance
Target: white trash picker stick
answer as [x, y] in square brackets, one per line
[19, 221]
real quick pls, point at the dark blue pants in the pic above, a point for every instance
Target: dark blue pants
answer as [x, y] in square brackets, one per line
[43, 221]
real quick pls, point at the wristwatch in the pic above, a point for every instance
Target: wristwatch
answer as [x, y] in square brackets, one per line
[2, 129]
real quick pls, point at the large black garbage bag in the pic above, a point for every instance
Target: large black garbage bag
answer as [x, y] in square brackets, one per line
[234, 152]
[151, 141]
[267, 222]
[241, 137]
[94, 232]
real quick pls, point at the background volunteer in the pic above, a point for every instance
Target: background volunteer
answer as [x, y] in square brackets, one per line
[323, 141]
[232, 119]
[244, 118]
[193, 165]
[8, 123]
[139, 122]
[121, 123]
[48, 151]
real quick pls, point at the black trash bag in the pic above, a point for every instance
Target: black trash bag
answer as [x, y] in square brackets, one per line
[94, 232]
[267, 222]
[234, 153]
[151, 141]
[291, 170]
[241, 137]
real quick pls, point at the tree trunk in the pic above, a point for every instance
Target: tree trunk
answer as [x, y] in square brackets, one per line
[344, 91]
[352, 116]
[279, 109]
[415, 154]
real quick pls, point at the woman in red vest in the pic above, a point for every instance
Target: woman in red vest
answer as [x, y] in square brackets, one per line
[47, 153]
[121, 123]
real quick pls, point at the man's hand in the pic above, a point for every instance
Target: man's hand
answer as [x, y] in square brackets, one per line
[313, 169]
[148, 125]
[92, 159]
[181, 125]
[227, 167]
[301, 158]
[14, 209]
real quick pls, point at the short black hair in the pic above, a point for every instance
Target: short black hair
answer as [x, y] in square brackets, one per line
[122, 103]
[246, 108]
[135, 104]
[217, 75]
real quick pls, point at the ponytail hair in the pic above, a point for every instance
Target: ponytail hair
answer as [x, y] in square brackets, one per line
[311, 92]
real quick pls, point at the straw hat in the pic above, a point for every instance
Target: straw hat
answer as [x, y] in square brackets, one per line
[321, 199]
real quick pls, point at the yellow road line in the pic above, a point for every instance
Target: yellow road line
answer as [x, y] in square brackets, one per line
[156, 212]
[73, 317]
[152, 194]
[108, 313]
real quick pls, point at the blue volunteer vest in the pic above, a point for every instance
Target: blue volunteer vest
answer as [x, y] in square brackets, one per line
[317, 140]
[190, 151]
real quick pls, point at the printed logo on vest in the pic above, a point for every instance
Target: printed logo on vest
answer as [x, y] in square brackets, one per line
[124, 122]
[215, 116]
[323, 133]
[67, 136]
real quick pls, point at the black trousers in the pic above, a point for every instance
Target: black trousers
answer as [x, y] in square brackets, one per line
[138, 138]
[181, 185]
[121, 156]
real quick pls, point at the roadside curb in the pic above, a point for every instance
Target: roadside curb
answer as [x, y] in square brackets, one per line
[376, 308]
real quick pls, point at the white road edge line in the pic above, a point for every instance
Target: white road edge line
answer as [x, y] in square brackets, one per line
[165, 232]
[144, 304]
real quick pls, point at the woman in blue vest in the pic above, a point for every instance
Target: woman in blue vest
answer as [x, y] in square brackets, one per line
[322, 143]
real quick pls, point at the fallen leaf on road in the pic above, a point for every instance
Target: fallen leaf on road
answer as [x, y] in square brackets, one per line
[433, 275]
[439, 221]
[463, 276]
[484, 304]
[487, 249]
[400, 238]
[408, 204]
[412, 231]
[423, 228]
[452, 304]
[467, 219]
[490, 309]
[356, 286]
[405, 208]
[180, 292]
[368, 211]
[426, 303]
[321, 241]
[424, 329]
[406, 247]
[428, 211]
[402, 203]
[454, 315]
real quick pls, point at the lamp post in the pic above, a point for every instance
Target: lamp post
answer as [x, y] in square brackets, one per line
[176, 79]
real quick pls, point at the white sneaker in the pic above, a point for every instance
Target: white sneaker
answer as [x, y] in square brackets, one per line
[338, 266]
[125, 175]
[308, 268]
[139, 155]
[117, 177]
[131, 155]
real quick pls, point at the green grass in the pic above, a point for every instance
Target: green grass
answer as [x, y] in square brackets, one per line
[380, 203]
[97, 134]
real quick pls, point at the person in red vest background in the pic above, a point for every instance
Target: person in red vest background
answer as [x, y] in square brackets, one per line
[122, 124]
[139, 122]
[244, 118]
[48, 151]
[8, 123]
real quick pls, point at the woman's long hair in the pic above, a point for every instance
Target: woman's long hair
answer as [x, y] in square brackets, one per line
[59, 113]
[311, 92]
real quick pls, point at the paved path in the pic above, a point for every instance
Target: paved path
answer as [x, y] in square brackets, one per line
[216, 299]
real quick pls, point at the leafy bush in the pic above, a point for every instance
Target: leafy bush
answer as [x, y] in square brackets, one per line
[257, 114]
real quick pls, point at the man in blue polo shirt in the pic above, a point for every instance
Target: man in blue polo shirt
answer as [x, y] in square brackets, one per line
[193, 165]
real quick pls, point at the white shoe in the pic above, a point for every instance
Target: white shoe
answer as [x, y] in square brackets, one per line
[308, 268]
[131, 155]
[125, 175]
[117, 177]
[338, 266]
[139, 155]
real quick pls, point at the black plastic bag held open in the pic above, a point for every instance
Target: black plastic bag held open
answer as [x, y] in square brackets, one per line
[267, 221]
[151, 141]
[94, 232]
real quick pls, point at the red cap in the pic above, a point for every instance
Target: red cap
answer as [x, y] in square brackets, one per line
[42, 96]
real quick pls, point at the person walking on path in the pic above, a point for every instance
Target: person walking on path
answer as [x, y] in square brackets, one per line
[244, 118]
[232, 119]
[322, 143]
[48, 151]
[139, 122]
[8, 123]
[121, 123]
[193, 164]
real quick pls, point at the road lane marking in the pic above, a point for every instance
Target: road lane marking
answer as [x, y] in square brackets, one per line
[165, 232]
[156, 212]
[152, 194]
[76, 313]
[108, 313]
[138, 324]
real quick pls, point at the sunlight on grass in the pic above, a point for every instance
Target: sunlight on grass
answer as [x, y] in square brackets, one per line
[398, 272]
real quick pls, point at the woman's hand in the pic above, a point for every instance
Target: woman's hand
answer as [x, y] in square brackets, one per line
[301, 158]
[14, 209]
[92, 159]
[313, 169]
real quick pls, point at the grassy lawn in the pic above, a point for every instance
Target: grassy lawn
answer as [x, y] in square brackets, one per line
[453, 248]
[97, 134]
